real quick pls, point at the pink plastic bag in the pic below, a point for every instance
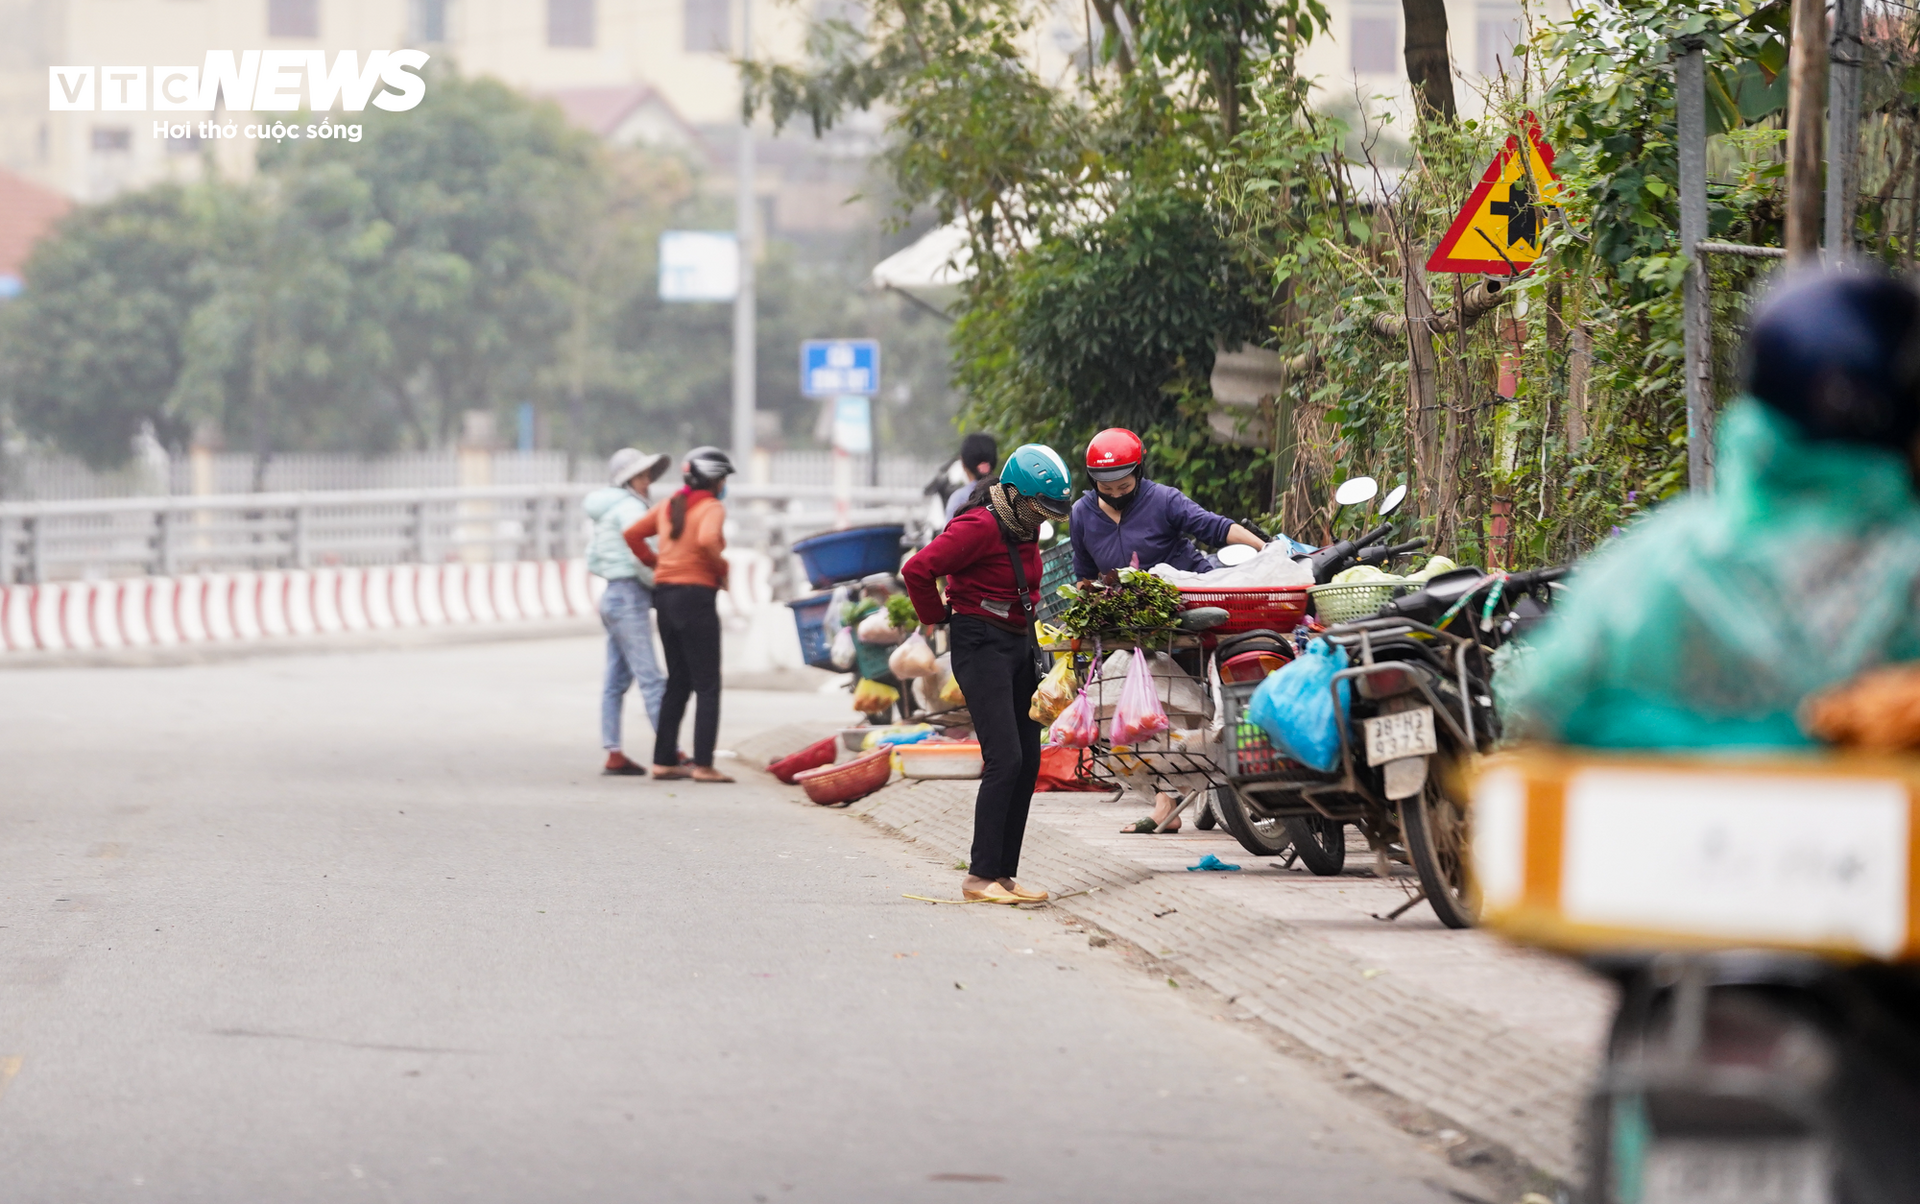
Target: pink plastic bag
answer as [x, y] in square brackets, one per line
[1078, 726]
[1138, 716]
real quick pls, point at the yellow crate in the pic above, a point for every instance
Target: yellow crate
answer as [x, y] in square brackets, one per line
[1594, 853]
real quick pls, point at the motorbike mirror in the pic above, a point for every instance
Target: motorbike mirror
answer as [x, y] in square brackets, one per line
[1355, 490]
[1392, 501]
[1235, 553]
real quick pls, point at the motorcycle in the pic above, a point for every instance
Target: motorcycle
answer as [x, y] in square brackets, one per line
[1419, 680]
[1766, 1046]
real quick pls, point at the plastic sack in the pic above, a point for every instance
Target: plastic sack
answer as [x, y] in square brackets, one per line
[876, 628]
[1294, 707]
[871, 697]
[842, 652]
[913, 658]
[899, 733]
[946, 687]
[836, 617]
[1056, 691]
[1273, 567]
[1138, 716]
[1077, 726]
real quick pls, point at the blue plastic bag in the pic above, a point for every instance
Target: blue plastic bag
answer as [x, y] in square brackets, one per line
[1294, 707]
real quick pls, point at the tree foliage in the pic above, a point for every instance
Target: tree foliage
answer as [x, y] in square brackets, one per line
[1101, 280]
[96, 354]
[472, 254]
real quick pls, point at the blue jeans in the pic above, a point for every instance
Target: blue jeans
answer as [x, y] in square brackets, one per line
[626, 610]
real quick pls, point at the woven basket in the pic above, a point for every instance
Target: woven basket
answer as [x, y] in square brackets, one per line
[1353, 599]
[834, 784]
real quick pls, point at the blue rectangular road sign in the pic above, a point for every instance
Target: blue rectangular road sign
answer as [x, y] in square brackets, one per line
[830, 367]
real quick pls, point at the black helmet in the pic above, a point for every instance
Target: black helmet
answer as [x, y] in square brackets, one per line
[706, 464]
[1838, 351]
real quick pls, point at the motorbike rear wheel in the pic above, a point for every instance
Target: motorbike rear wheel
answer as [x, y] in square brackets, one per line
[1435, 827]
[1261, 837]
[1321, 843]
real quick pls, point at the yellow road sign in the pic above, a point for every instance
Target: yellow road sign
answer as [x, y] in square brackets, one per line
[1500, 229]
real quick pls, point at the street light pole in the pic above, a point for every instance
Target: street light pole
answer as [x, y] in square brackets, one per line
[744, 231]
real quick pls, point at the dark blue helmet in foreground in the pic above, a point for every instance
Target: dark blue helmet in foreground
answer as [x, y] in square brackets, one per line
[1838, 351]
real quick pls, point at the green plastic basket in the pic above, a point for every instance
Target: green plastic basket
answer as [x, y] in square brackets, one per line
[1351, 600]
[1056, 570]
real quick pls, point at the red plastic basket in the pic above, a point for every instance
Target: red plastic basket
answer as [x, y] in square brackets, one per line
[1252, 607]
[833, 784]
[813, 756]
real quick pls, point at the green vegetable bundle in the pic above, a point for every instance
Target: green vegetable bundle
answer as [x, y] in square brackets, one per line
[1123, 602]
[900, 612]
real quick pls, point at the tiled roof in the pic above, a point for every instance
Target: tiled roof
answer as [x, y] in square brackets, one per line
[27, 213]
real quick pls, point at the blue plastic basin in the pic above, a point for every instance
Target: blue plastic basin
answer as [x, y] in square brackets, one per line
[850, 555]
[810, 619]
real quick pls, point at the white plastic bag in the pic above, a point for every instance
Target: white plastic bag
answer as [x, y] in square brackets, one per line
[946, 688]
[876, 628]
[837, 609]
[913, 658]
[842, 652]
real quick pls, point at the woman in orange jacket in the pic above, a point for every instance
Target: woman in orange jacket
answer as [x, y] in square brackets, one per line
[688, 572]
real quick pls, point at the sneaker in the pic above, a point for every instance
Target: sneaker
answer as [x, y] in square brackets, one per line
[618, 766]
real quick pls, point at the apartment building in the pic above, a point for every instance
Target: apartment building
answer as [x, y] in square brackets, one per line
[675, 51]
[636, 70]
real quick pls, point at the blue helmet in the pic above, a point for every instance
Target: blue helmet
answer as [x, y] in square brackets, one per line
[1838, 352]
[1035, 471]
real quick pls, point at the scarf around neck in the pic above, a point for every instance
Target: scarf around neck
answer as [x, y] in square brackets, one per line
[1018, 516]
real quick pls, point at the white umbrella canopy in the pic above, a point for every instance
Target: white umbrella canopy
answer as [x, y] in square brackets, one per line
[940, 259]
[930, 271]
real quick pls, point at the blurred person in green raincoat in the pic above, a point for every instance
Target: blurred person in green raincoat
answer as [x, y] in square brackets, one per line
[1707, 624]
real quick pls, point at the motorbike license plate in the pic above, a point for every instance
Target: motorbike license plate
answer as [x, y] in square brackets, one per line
[1401, 734]
[1698, 1171]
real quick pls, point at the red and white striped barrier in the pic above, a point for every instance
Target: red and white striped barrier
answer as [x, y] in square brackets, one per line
[150, 612]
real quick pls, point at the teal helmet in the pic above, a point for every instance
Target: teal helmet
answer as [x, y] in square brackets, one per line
[1036, 472]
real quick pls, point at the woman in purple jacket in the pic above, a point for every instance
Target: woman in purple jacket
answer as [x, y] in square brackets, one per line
[1125, 520]
[1125, 515]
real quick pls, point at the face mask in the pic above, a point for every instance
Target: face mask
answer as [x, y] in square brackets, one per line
[720, 494]
[1125, 501]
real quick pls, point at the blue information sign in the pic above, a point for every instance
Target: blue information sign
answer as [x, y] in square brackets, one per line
[831, 367]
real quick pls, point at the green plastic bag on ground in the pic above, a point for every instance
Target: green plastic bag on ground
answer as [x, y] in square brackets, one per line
[1706, 624]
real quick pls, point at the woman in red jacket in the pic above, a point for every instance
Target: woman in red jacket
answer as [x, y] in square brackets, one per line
[991, 561]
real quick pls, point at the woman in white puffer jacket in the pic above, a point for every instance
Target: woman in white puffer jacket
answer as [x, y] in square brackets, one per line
[626, 608]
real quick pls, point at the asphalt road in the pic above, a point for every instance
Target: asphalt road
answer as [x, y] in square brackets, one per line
[373, 927]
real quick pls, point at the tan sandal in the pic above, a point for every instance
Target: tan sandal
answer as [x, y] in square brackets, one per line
[705, 773]
[992, 892]
[667, 773]
[1026, 894]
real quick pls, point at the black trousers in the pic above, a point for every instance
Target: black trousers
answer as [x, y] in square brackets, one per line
[690, 634]
[995, 670]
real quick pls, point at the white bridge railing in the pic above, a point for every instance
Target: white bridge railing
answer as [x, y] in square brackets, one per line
[110, 538]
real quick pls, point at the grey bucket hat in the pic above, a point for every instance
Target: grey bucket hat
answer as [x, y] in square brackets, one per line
[630, 462]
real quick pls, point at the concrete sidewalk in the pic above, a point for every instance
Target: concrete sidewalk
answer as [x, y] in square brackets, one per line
[1499, 1040]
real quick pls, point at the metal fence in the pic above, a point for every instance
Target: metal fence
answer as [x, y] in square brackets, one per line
[168, 536]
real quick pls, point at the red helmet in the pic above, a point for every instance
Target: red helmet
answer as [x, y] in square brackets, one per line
[1114, 454]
